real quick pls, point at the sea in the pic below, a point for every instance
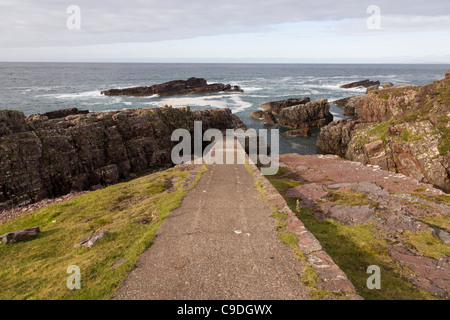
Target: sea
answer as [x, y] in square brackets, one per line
[42, 87]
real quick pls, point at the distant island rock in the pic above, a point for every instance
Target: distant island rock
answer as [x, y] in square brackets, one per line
[176, 87]
[363, 83]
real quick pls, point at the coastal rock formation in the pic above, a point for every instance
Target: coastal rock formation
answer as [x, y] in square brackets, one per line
[349, 104]
[402, 129]
[176, 87]
[363, 83]
[276, 106]
[314, 114]
[44, 158]
[303, 132]
[401, 213]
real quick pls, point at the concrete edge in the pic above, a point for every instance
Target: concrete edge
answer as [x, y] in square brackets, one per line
[332, 277]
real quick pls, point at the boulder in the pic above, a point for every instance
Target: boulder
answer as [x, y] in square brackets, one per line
[20, 235]
[256, 115]
[277, 106]
[363, 83]
[176, 87]
[314, 114]
[91, 240]
[387, 85]
[302, 132]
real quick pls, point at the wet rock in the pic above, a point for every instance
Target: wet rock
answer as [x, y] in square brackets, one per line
[176, 87]
[20, 235]
[314, 114]
[363, 83]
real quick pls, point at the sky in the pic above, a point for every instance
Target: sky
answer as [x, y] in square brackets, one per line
[265, 31]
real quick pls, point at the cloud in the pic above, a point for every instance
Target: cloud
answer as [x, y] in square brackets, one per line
[28, 23]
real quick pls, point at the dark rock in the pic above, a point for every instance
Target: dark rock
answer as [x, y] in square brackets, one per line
[176, 87]
[256, 115]
[277, 106]
[314, 114]
[302, 132]
[269, 118]
[64, 113]
[91, 240]
[20, 235]
[45, 158]
[363, 83]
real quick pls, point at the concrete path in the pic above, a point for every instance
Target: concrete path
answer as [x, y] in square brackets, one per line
[221, 243]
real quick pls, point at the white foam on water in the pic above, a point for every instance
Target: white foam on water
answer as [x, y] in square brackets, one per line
[76, 95]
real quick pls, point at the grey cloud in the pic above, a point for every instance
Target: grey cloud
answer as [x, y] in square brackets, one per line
[26, 23]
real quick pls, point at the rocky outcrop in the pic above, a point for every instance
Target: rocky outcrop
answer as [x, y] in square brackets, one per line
[349, 104]
[64, 113]
[401, 129]
[401, 212]
[314, 114]
[276, 106]
[44, 158]
[176, 87]
[303, 132]
[20, 235]
[363, 83]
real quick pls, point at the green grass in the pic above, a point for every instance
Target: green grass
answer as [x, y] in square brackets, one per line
[381, 130]
[427, 244]
[442, 222]
[131, 211]
[354, 249]
[351, 198]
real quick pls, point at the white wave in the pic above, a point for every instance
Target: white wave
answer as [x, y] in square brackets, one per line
[75, 95]
[128, 103]
[242, 105]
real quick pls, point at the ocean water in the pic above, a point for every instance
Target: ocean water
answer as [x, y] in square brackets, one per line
[41, 87]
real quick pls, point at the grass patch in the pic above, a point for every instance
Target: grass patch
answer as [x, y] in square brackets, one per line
[441, 222]
[354, 249]
[351, 198]
[427, 244]
[381, 130]
[131, 211]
